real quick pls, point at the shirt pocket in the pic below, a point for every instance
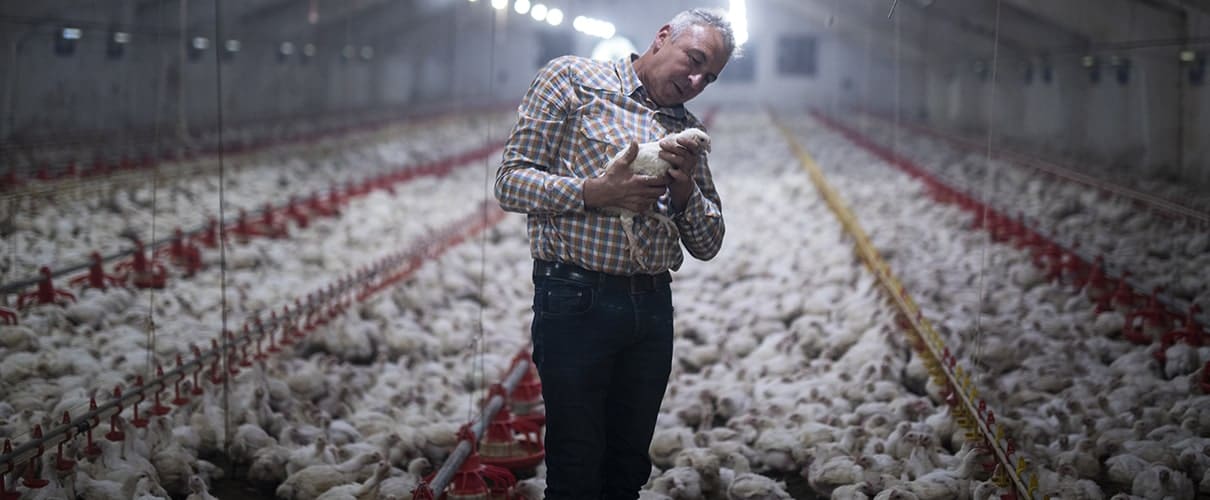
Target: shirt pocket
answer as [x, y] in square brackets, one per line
[600, 135]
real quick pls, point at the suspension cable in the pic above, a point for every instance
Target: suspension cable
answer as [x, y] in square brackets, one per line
[987, 188]
[222, 231]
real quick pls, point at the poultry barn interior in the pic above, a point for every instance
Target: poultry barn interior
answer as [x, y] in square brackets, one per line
[251, 250]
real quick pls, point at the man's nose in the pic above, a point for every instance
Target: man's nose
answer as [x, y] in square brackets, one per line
[697, 81]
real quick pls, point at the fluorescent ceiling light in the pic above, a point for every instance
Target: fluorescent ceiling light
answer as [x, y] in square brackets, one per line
[538, 12]
[594, 27]
[739, 21]
[613, 49]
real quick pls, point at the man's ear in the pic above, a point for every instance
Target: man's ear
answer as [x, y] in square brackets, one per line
[661, 37]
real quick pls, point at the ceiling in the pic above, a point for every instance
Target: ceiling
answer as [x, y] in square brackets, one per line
[926, 28]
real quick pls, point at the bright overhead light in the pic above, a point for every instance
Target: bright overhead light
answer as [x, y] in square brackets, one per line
[201, 43]
[594, 27]
[739, 21]
[521, 6]
[613, 49]
[499, 4]
[71, 33]
[233, 45]
[121, 37]
[554, 17]
[538, 12]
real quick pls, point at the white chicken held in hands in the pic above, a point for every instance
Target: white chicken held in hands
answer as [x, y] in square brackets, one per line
[647, 161]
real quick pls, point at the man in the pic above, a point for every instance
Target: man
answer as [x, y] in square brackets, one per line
[602, 327]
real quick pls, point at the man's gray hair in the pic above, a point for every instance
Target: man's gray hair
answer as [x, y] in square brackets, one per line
[713, 17]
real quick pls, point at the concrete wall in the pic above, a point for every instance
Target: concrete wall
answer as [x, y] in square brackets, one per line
[153, 86]
[1195, 114]
[770, 86]
[868, 70]
[1149, 126]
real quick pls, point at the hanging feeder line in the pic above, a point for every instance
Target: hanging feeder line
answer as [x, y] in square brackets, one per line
[969, 411]
[123, 168]
[190, 165]
[1076, 260]
[344, 121]
[1171, 209]
[399, 174]
[331, 301]
[463, 450]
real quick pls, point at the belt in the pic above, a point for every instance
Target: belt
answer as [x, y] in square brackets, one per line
[636, 283]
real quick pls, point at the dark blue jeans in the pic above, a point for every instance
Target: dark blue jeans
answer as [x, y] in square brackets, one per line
[604, 355]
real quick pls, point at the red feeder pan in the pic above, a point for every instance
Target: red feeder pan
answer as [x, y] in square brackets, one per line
[46, 293]
[96, 277]
[503, 447]
[475, 480]
[528, 393]
[144, 273]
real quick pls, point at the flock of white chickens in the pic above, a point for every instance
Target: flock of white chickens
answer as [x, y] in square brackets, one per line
[1159, 249]
[1099, 415]
[790, 378]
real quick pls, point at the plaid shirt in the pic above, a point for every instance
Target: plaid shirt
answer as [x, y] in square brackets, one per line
[577, 115]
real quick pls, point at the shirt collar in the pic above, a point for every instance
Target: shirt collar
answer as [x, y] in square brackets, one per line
[625, 69]
[633, 87]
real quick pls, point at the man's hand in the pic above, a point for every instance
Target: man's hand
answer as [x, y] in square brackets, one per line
[684, 156]
[622, 188]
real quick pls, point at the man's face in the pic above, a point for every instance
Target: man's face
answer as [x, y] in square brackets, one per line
[682, 67]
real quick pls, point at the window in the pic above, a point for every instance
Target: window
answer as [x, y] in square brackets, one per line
[796, 55]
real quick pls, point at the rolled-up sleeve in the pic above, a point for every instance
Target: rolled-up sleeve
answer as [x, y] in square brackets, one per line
[525, 182]
[701, 222]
